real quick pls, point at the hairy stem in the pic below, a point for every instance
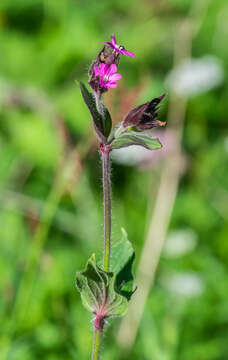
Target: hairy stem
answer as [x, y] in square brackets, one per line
[97, 337]
[107, 207]
[96, 344]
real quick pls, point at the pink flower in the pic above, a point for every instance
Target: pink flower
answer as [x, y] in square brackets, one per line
[107, 75]
[118, 48]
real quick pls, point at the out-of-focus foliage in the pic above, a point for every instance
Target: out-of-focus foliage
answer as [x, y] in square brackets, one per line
[45, 45]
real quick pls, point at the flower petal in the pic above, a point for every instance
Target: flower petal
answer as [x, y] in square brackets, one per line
[103, 69]
[128, 53]
[115, 77]
[113, 40]
[112, 85]
[112, 69]
[109, 44]
[96, 70]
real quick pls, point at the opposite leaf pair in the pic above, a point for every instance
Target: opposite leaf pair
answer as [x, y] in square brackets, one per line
[106, 294]
[128, 132]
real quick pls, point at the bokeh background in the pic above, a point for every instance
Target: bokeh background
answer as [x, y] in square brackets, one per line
[172, 202]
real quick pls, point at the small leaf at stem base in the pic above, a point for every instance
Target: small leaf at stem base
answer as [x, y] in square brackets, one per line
[97, 289]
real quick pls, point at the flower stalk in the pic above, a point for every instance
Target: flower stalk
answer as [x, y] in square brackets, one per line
[97, 337]
[105, 157]
[106, 182]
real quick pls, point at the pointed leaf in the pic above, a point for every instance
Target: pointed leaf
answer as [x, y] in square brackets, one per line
[97, 289]
[107, 121]
[122, 259]
[102, 120]
[135, 138]
[125, 281]
[91, 285]
[122, 251]
[117, 304]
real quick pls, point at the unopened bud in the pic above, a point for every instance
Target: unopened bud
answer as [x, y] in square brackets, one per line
[144, 116]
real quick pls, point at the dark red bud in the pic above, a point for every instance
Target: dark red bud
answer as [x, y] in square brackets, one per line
[134, 116]
[144, 116]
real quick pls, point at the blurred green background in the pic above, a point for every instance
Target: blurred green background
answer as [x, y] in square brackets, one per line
[50, 177]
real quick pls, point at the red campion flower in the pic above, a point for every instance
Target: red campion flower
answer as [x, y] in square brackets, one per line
[107, 75]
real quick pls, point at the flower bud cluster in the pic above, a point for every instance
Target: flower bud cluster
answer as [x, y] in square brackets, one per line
[103, 71]
[103, 75]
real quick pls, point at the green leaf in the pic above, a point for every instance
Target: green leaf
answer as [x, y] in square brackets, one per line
[122, 251]
[97, 289]
[122, 259]
[102, 119]
[135, 138]
[116, 303]
[107, 121]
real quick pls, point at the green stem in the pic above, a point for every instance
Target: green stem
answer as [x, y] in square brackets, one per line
[107, 207]
[96, 344]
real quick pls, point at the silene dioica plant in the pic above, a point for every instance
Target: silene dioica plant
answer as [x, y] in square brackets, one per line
[106, 289]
